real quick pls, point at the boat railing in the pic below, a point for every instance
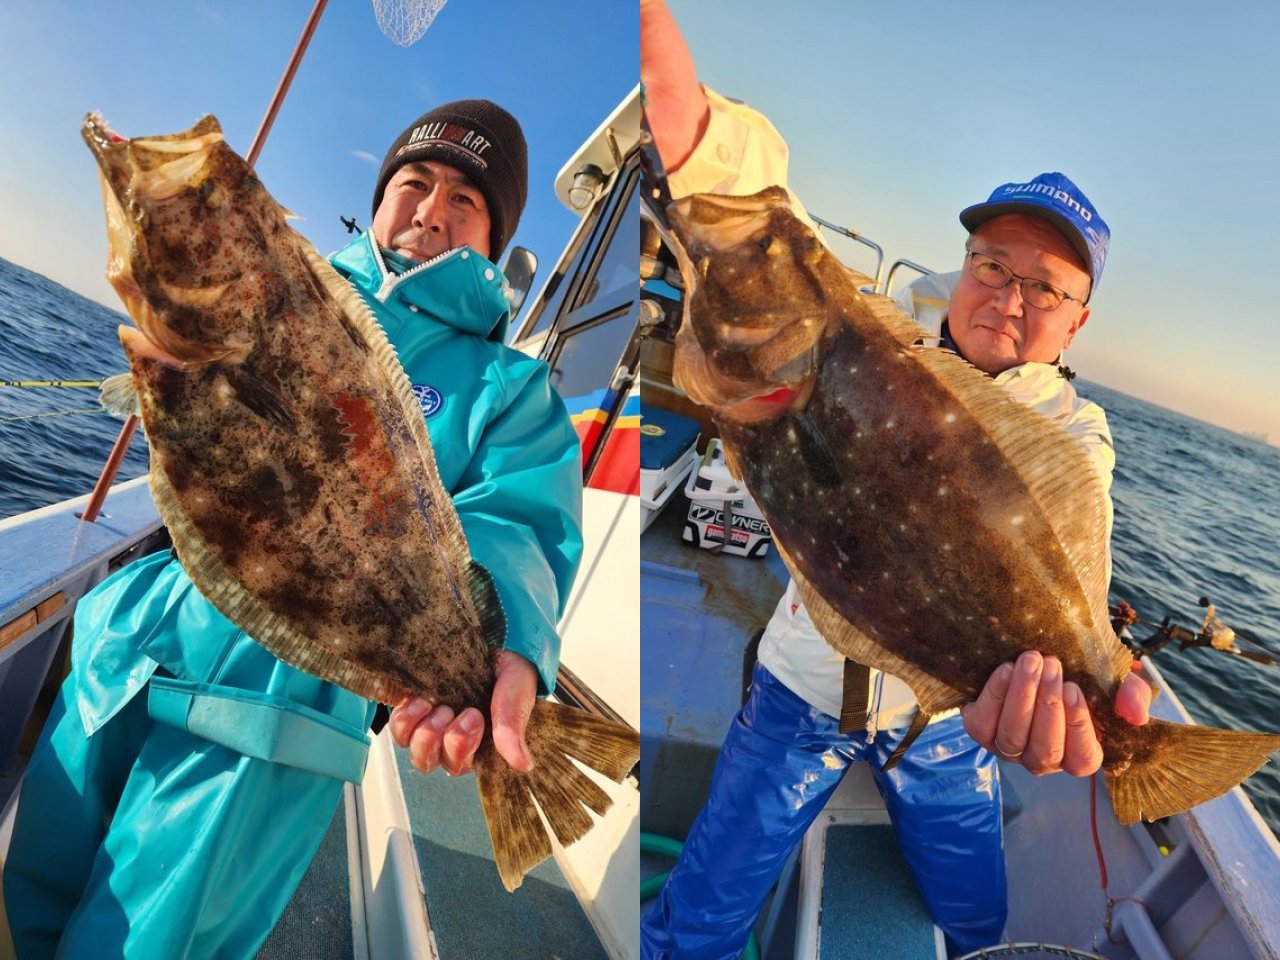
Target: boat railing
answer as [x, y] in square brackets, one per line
[855, 236]
[49, 558]
[903, 264]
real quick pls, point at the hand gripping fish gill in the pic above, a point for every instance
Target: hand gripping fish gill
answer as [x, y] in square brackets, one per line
[935, 526]
[292, 466]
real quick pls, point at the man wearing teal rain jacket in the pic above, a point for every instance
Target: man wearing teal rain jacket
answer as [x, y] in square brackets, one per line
[186, 776]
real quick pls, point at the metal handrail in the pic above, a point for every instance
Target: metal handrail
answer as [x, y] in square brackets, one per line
[856, 236]
[908, 264]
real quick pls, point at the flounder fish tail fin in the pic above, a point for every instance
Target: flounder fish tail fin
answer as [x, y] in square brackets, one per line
[118, 395]
[555, 786]
[1188, 766]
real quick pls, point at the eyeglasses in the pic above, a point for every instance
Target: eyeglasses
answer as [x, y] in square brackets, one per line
[992, 273]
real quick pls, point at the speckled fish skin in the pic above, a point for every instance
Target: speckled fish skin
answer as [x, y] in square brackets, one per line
[292, 465]
[283, 441]
[935, 526]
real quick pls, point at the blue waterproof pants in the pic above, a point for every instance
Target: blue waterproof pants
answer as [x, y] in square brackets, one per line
[146, 841]
[780, 762]
[181, 824]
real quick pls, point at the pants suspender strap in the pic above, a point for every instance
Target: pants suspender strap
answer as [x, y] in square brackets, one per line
[918, 723]
[853, 702]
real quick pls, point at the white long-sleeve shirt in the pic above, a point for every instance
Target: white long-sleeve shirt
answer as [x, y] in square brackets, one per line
[740, 154]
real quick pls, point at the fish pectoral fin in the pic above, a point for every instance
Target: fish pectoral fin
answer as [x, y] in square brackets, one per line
[512, 799]
[816, 451]
[1177, 766]
[259, 396]
[118, 395]
[484, 597]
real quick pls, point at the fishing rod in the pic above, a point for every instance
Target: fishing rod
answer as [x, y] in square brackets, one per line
[1124, 615]
[112, 466]
[50, 383]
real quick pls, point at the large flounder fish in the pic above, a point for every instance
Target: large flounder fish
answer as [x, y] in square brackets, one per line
[292, 466]
[935, 526]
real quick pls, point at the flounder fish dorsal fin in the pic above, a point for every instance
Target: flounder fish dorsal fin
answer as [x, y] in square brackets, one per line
[1057, 472]
[361, 323]
[934, 695]
[886, 311]
[215, 582]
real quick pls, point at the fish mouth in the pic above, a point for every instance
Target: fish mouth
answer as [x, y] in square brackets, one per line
[98, 135]
[156, 167]
[153, 169]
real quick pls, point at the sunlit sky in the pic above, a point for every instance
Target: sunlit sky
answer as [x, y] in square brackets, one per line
[900, 115]
[156, 66]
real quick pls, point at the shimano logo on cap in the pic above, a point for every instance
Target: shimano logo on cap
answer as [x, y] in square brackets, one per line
[1052, 192]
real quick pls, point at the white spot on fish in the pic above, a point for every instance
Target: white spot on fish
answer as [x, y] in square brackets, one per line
[1017, 520]
[943, 491]
[949, 418]
[890, 424]
[946, 548]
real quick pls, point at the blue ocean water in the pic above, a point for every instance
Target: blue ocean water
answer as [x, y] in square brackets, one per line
[1197, 507]
[48, 332]
[1198, 514]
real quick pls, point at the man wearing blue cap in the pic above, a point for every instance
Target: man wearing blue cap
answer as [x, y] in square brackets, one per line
[1033, 258]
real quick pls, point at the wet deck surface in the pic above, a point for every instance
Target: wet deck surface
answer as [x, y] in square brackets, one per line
[471, 913]
[699, 612]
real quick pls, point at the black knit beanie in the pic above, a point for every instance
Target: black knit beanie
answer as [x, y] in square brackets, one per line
[484, 142]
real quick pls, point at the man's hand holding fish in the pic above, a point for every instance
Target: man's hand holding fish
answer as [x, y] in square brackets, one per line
[1027, 714]
[436, 737]
[940, 495]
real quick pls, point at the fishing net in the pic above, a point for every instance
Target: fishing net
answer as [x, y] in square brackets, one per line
[405, 21]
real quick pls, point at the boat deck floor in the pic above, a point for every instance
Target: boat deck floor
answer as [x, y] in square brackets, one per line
[470, 913]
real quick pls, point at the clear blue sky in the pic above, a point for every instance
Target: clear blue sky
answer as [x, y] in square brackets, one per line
[156, 66]
[899, 115]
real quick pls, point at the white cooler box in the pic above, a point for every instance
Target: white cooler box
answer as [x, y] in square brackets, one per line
[668, 451]
[717, 500]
